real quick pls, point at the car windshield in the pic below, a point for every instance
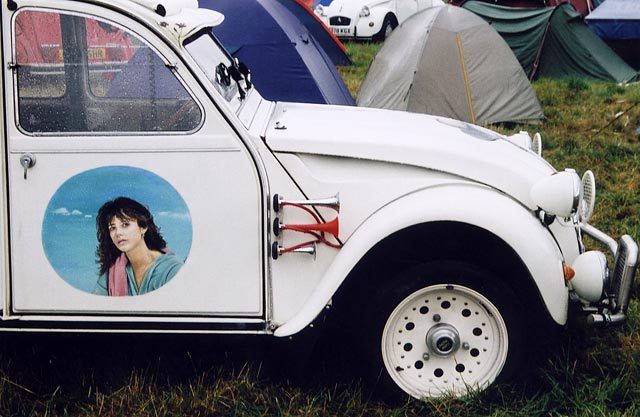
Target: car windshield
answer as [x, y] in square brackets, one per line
[219, 66]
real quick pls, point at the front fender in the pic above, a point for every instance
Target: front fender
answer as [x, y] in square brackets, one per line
[377, 16]
[473, 204]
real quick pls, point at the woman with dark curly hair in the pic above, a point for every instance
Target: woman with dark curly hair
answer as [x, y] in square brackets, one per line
[131, 252]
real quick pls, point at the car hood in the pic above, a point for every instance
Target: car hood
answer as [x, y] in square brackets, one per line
[431, 142]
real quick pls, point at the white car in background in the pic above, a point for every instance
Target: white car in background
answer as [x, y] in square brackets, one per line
[369, 19]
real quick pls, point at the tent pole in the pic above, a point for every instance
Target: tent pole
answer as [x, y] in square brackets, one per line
[616, 117]
[536, 63]
[466, 79]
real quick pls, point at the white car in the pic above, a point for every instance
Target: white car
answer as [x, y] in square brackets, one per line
[166, 195]
[369, 19]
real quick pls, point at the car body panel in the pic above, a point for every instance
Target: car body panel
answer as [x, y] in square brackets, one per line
[428, 205]
[439, 144]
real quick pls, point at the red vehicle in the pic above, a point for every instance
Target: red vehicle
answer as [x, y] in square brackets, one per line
[107, 46]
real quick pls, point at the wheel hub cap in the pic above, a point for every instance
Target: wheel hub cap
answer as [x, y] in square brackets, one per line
[443, 340]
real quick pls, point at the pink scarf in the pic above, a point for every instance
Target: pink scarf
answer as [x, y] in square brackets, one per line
[118, 282]
[118, 277]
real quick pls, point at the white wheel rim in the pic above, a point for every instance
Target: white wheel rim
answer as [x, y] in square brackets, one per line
[387, 30]
[444, 340]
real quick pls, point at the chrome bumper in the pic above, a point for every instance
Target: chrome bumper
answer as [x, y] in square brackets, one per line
[618, 286]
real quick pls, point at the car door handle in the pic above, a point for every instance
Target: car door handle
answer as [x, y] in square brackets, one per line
[27, 161]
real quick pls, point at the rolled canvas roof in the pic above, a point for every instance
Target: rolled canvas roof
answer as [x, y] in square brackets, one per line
[449, 62]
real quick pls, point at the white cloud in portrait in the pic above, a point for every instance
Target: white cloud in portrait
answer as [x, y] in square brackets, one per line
[175, 215]
[62, 211]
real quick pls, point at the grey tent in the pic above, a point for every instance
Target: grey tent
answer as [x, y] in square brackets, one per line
[449, 62]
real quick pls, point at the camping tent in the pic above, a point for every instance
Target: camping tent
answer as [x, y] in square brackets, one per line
[449, 62]
[286, 62]
[554, 42]
[616, 19]
[617, 22]
[584, 7]
[320, 32]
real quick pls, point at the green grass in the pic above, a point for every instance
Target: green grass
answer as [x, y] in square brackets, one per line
[588, 373]
[361, 54]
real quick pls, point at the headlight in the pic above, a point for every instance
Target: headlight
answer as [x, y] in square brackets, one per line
[365, 11]
[588, 196]
[591, 273]
[558, 194]
[524, 140]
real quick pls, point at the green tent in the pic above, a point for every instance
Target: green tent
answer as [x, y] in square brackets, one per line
[554, 42]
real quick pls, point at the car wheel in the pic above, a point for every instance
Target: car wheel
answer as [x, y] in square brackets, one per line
[387, 27]
[445, 329]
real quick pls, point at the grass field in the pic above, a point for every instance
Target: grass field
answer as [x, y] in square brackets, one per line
[589, 372]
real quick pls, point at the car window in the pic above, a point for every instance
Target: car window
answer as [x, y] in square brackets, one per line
[84, 74]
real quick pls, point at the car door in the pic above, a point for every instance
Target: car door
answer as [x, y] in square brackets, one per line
[100, 116]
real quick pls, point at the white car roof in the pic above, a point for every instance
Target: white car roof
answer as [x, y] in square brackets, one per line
[179, 19]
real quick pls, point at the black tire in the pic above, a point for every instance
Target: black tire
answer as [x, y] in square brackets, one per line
[443, 328]
[388, 25]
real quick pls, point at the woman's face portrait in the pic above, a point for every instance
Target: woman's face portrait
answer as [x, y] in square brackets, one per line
[69, 224]
[125, 233]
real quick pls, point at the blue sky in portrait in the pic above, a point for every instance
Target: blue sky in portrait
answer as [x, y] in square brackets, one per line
[69, 229]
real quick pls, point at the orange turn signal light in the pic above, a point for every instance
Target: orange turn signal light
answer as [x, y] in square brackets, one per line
[569, 273]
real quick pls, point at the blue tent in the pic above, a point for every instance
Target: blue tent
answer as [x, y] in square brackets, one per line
[616, 19]
[617, 22]
[321, 33]
[286, 62]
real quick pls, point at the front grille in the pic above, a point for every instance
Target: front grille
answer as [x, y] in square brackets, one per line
[624, 270]
[339, 21]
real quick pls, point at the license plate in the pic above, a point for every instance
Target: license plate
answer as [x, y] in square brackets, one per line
[94, 54]
[338, 31]
[97, 53]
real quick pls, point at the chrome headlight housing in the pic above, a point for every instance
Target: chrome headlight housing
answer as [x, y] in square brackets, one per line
[559, 194]
[364, 12]
[588, 200]
[536, 144]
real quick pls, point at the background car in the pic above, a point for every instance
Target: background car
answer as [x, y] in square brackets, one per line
[369, 19]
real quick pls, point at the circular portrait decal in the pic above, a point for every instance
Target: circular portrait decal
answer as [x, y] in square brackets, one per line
[117, 231]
